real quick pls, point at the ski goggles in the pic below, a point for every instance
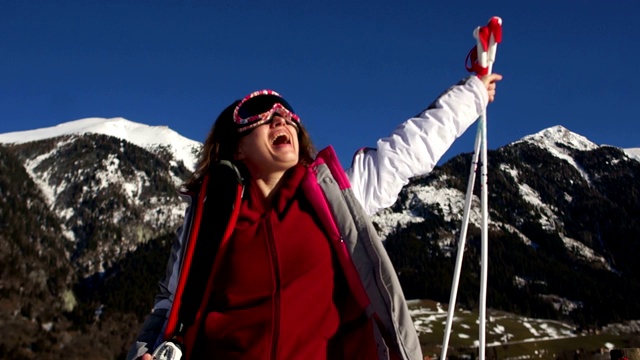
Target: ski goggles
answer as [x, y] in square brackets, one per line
[259, 107]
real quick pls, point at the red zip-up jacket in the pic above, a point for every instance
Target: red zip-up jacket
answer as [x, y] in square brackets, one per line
[278, 292]
[366, 329]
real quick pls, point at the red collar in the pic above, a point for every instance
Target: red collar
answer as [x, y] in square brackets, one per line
[283, 196]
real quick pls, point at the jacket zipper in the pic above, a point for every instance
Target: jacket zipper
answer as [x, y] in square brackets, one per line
[276, 296]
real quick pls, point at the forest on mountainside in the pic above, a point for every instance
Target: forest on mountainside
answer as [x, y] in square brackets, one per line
[602, 213]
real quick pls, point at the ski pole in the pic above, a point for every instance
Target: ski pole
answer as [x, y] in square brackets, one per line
[494, 32]
[482, 57]
[461, 244]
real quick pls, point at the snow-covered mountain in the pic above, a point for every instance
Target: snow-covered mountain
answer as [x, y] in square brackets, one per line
[148, 137]
[112, 182]
[563, 216]
[49, 167]
[557, 137]
[556, 141]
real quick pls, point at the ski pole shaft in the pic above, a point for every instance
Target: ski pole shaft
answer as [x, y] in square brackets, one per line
[461, 244]
[487, 39]
[484, 242]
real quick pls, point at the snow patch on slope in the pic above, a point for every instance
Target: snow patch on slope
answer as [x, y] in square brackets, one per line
[388, 221]
[584, 252]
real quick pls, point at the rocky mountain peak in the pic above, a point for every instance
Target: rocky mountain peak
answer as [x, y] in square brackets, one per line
[558, 135]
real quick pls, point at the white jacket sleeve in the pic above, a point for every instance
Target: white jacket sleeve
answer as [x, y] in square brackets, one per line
[378, 174]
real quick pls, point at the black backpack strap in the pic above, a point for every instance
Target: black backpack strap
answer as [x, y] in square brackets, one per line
[217, 210]
[219, 204]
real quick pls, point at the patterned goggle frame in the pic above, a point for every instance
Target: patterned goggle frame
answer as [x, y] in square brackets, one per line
[259, 107]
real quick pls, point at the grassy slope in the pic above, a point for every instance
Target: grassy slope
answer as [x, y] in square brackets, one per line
[509, 335]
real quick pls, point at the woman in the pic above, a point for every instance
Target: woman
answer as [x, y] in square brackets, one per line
[294, 267]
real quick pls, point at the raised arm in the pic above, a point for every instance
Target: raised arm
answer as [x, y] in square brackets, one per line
[378, 174]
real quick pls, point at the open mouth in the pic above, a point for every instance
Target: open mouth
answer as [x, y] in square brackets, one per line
[280, 139]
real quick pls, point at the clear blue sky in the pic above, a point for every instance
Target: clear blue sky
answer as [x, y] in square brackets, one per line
[351, 69]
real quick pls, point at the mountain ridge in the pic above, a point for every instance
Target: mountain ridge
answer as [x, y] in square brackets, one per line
[145, 136]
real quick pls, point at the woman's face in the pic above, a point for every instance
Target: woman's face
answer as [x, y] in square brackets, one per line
[269, 148]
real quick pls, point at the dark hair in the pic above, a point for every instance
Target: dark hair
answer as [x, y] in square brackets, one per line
[222, 143]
